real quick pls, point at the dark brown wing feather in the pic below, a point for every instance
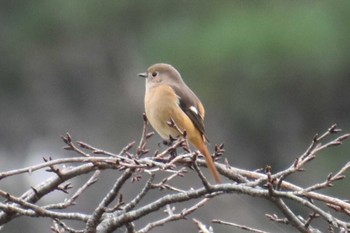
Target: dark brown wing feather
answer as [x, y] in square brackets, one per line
[188, 99]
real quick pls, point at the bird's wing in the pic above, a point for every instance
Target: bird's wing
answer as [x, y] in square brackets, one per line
[192, 107]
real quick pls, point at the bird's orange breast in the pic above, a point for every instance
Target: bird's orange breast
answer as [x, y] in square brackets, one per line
[161, 105]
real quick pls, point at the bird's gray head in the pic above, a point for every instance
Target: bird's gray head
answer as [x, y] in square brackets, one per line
[161, 73]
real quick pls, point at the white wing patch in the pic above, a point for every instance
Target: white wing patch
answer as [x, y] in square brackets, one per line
[178, 100]
[194, 109]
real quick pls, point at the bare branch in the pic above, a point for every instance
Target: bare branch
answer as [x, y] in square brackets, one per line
[71, 201]
[58, 223]
[173, 217]
[201, 227]
[242, 227]
[125, 212]
[96, 216]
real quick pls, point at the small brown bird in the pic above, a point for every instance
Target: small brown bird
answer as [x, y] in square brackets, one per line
[168, 98]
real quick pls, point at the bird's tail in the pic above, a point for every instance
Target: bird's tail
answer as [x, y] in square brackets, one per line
[209, 160]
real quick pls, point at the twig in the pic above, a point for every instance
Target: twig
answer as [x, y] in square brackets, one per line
[238, 226]
[65, 227]
[70, 145]
[292, 218]
[130, 228]
[204, 180]
[173, 217]
[33, 168]
[71, 201]
[275, 218]
[141, 149]
[163, 184]
[139, 197]
[177, 143]
[97, 214]
[11, 208]
[202, 228]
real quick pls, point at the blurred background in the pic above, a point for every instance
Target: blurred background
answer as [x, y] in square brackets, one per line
[271, 74]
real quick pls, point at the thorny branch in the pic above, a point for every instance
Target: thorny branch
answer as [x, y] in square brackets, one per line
[115, 210]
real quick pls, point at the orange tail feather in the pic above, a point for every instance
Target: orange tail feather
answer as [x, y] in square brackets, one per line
[209, 160]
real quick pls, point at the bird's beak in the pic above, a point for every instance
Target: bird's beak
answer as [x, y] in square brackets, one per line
[142, 75]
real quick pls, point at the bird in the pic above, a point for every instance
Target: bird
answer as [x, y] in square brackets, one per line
[169, 99]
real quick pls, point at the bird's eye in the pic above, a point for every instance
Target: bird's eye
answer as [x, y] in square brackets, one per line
[154, 74]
